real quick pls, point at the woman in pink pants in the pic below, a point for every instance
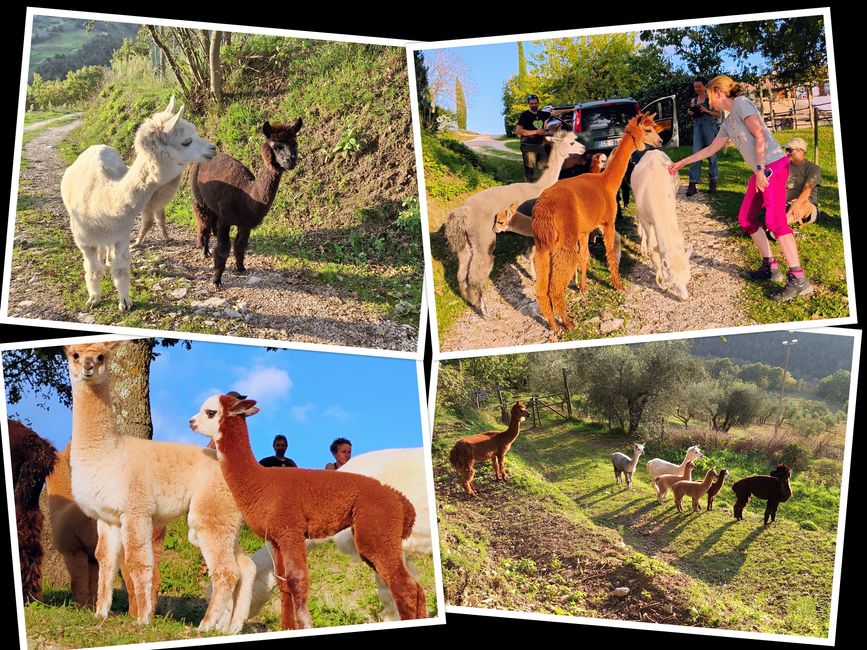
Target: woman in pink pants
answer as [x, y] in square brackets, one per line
[767, 186]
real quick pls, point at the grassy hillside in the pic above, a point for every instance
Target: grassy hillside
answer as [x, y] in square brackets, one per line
[559, 537]
[342, 592]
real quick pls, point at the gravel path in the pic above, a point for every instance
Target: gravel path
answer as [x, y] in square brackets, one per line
[486, 143]
[713, 302]
[265, 303]
[36, 125]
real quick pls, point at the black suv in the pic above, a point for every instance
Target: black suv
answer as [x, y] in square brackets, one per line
[599, 125]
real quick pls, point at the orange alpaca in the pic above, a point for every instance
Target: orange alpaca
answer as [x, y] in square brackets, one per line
[285, 506]
[482, 446]
[568, 211]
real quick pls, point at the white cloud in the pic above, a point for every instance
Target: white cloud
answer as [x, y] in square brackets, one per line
[338, 413]
[300, 412]
[263, 383]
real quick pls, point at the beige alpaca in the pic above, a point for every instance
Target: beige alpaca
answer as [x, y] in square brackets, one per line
[694, 489]
[663, 483]
[74, 536]
[155, 210]
[131, 485]
[103, 196]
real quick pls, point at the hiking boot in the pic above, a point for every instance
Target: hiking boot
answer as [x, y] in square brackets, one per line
[765, 272]
[794, 287]
[691, 190]
[711, 188]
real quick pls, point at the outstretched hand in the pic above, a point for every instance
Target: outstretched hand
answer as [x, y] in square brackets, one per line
[674, 167]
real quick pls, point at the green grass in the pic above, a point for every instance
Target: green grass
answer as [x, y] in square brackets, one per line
[820, 245]
[731, 575]
[31, 117]
[342, 592]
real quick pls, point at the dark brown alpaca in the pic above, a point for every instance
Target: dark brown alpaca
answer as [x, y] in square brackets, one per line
[226, 194]
[716, 487]
[774, 489]
[482, 446]
[568, 211]
[287, 506]
[32, 458]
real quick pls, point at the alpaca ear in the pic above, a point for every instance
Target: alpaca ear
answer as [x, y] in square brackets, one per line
[244, 407]
[112, 346]
[173, 122]
[296, 125]
[266, 129]
[171, 107]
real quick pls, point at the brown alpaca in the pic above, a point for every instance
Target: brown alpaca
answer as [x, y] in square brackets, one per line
[597, 163]
[287, 506]
[482, 446]
[33, 458]
[75, 537]
[774, 488]
[694, 489]
[666, 481]
[715, 488]
[226, 194]
[568, 211]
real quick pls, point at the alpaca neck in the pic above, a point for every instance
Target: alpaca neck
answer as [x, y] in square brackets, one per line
[682, 467]
[265, 186]
[237, 460]
[521, 224]
[552, 171]
[615, 170]
[93, 423]
[634, 462]
[508, 436]
[144, 176]
[785, 489]
[705, 484]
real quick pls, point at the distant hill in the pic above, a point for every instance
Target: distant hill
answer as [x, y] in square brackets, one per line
[814, 356]
[59, 45]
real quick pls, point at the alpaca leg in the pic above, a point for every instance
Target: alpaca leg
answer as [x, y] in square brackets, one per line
[495, 464]
[94, 269]
[583, 259]
[480, 268]
[530, 253]
[137, 537]
[563, 261]
[79, 576]
[617, 478]
[108, 550]
[628, 480]
[120, 274]
[221, 254]
[678, 502]
[287, 621]
[243, 591]
[709, 503]
[147, 221]
[203, 230]
[159, 536]
[502, 459]
[93, 581]
[390, 611]
[297, 578]
[242, 239]
[768, 511]
[740, 504]
[131, 595]
[161, 222]
[377, 534]
[612, 255]
[465, 255]
[542, 263]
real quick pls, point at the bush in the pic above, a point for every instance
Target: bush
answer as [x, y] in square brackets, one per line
[78, 87]
[794, 455]
[825, 472]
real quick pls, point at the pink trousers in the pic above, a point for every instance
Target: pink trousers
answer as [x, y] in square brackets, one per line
[773, 198]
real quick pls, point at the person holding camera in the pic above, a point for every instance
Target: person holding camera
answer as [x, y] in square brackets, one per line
[704, 130]
[767, 186]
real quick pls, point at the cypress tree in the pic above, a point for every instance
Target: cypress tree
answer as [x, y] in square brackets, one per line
[460, 105]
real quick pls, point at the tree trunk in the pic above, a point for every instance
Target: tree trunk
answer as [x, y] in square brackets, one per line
[130, 389]
[636, 409]
[214, 65]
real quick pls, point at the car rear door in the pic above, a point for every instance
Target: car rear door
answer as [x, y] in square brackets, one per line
[666, 115]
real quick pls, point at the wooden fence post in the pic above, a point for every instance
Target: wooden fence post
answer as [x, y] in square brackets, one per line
[504, 414]
[568, 395]
[816, 135]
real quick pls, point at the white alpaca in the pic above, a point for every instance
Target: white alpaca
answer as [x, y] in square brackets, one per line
[103, 196]
[623, 464]
[656, 216]
[130, 485]
[658, 467]
[402, 469]
[469, 230]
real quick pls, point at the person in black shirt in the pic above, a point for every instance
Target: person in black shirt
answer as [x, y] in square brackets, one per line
[531, 129]
[279, 458]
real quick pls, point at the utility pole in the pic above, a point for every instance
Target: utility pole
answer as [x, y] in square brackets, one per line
[789, 343]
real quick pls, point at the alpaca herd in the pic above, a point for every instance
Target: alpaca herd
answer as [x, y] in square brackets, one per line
[110, 497]
[560, 215]
[103, 196]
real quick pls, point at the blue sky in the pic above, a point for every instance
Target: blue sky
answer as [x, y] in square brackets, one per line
[310, 397]
[489, 67]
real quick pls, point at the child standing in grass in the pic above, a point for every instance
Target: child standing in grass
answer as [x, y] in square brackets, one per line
[767, 186]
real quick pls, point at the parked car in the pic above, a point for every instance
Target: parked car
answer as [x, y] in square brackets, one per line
[599, 125]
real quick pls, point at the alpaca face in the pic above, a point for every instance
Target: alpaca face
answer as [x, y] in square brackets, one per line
[638, 448]
[693, 452]
[207, 420]
[503, 220]
[521, 410]
[281, 139]
[564, 143]
[676, 276]
[782, 472]
[598, 162]
[173, 140]
[88, 362]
